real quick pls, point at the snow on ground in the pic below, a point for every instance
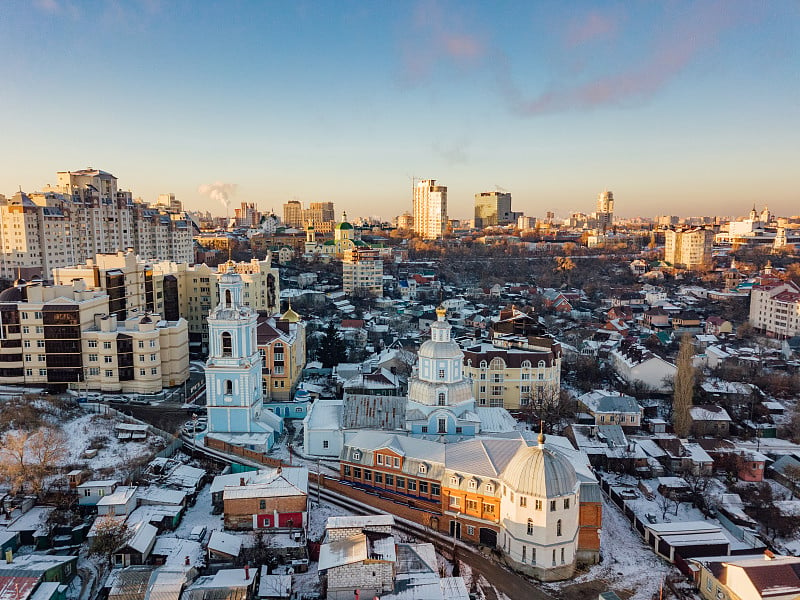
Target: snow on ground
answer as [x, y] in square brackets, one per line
[199, 514]
[93, 430]
[318, 516]
[627, 563]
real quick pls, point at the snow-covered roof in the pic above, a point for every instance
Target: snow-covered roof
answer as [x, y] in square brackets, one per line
[359, 521]
[144, 535]
[274, 586]
[121, 495]
[225, 543]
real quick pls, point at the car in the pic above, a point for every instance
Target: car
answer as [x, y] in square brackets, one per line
[651, 518]
[141, 401]
[198, 533]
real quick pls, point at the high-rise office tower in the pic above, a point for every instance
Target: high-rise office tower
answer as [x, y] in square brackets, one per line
[430, 209]
[605, 210]
[492, 208]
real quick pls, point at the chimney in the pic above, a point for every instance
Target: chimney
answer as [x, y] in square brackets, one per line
[186, 561]
[247, 572]
[241, 481]
[9, 556]
[768, 555]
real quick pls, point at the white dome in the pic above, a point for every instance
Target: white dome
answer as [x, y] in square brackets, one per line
[440, 350]
[541, 472]
[426, 392]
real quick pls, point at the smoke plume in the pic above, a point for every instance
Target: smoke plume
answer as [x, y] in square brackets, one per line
[218, 191]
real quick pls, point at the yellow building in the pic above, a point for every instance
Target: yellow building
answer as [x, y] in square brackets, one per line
[519, 365]
[748, 577]
[282, 344]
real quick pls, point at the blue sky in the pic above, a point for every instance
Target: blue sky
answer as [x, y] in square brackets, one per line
[680, 108]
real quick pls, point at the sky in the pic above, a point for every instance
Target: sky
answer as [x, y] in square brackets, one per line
[688, 108]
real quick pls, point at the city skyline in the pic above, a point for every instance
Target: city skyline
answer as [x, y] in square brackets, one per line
[681, 108]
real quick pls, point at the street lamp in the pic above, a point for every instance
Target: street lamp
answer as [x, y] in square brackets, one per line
[194, 432]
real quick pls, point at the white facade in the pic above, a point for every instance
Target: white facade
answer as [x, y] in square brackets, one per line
[775, 309]
[430, 209]
[688, 248]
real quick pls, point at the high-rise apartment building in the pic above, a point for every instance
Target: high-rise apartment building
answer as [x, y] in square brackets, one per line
[293, 214]
[775, 308]
[605, 210]
[362, 271]
[318, 214]
[688, 248]
[83, 215]
[430, 209]
[492, 208]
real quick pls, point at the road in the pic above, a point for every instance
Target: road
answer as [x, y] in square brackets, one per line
[513, 585]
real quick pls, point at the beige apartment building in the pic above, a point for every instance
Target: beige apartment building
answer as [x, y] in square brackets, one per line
[518, 367]
[66, 335]
[173, 289]
[362, 271]
[688, 248]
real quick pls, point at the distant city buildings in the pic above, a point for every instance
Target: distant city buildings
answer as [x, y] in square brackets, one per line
[430, 209]
[318, 214]
[688, 248]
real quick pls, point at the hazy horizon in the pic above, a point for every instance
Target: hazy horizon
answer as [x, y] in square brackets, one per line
[678, 108]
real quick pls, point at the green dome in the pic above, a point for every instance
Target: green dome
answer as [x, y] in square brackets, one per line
[344, 225]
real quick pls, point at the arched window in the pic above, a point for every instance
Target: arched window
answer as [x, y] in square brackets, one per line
[558, 527]
[483, 364]
[541, 364]
[526, 364]
[530, 526]
[228, 387]
[497, 364]
[228, 297]
[227, 344]
[442, 400]
[473, 484]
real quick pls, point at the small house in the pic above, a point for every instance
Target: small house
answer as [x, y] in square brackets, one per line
[120, 503]
[90, 492]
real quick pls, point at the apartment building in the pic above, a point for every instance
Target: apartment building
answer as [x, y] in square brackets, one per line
[430, 209]
[66, 335]
[518, 366]
[173, 289]
[282, 344]
[362, 271]
[688, 248]
[83, 215]
[775, 308]
[318, 214]
[493, 208]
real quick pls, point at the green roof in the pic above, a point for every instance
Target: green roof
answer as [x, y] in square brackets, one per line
[343, 225]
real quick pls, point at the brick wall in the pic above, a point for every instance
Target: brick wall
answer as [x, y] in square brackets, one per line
[239, 511]
[238, 450]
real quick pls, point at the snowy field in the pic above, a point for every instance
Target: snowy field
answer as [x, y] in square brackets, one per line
[114, 457]
[628, 566]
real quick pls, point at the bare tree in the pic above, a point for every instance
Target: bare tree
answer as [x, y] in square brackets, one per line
[683, 394]
[28, 458]
[665, 503]
[109, 536]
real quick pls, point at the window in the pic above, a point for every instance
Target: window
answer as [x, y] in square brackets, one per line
[435, 489]
[380, 459]
[472, 505]
[26, 343]
[558, 527]
[552, 505]
[42, 372]
[106, 345]
[141, 358]
[490, 488]
[367, 475]
[262, 504]
[346, 470]
[533, 556]
[566, 503]
[25, 328]
[524, 552]
[538, 505]
[424, 429]
[455, 501]
[93, 358]
[356, 472]
[401, 482]
[152, 343]
[152, 357]
[470, 530]
[554, 557]
[530, 527]
[141, 343]
[511, 496]
[389, 479]
[227, 344]
[94, 371]
[356, 455]
[441, 373]
[378, 477]
[108, 359]
[324, 443]
[228, 387]
[488, 508]
[40, 343]
[473, 485]
[29, 372]
[423, 487]
[442, 425]
[109, 373]
[423, 469]
[442, 400]
[523, 501]
[562, 556]
[396, 462]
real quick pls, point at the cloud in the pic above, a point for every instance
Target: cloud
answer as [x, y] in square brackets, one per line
[668, 54]
[589, 28]
[218, 191]
[437, 37]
